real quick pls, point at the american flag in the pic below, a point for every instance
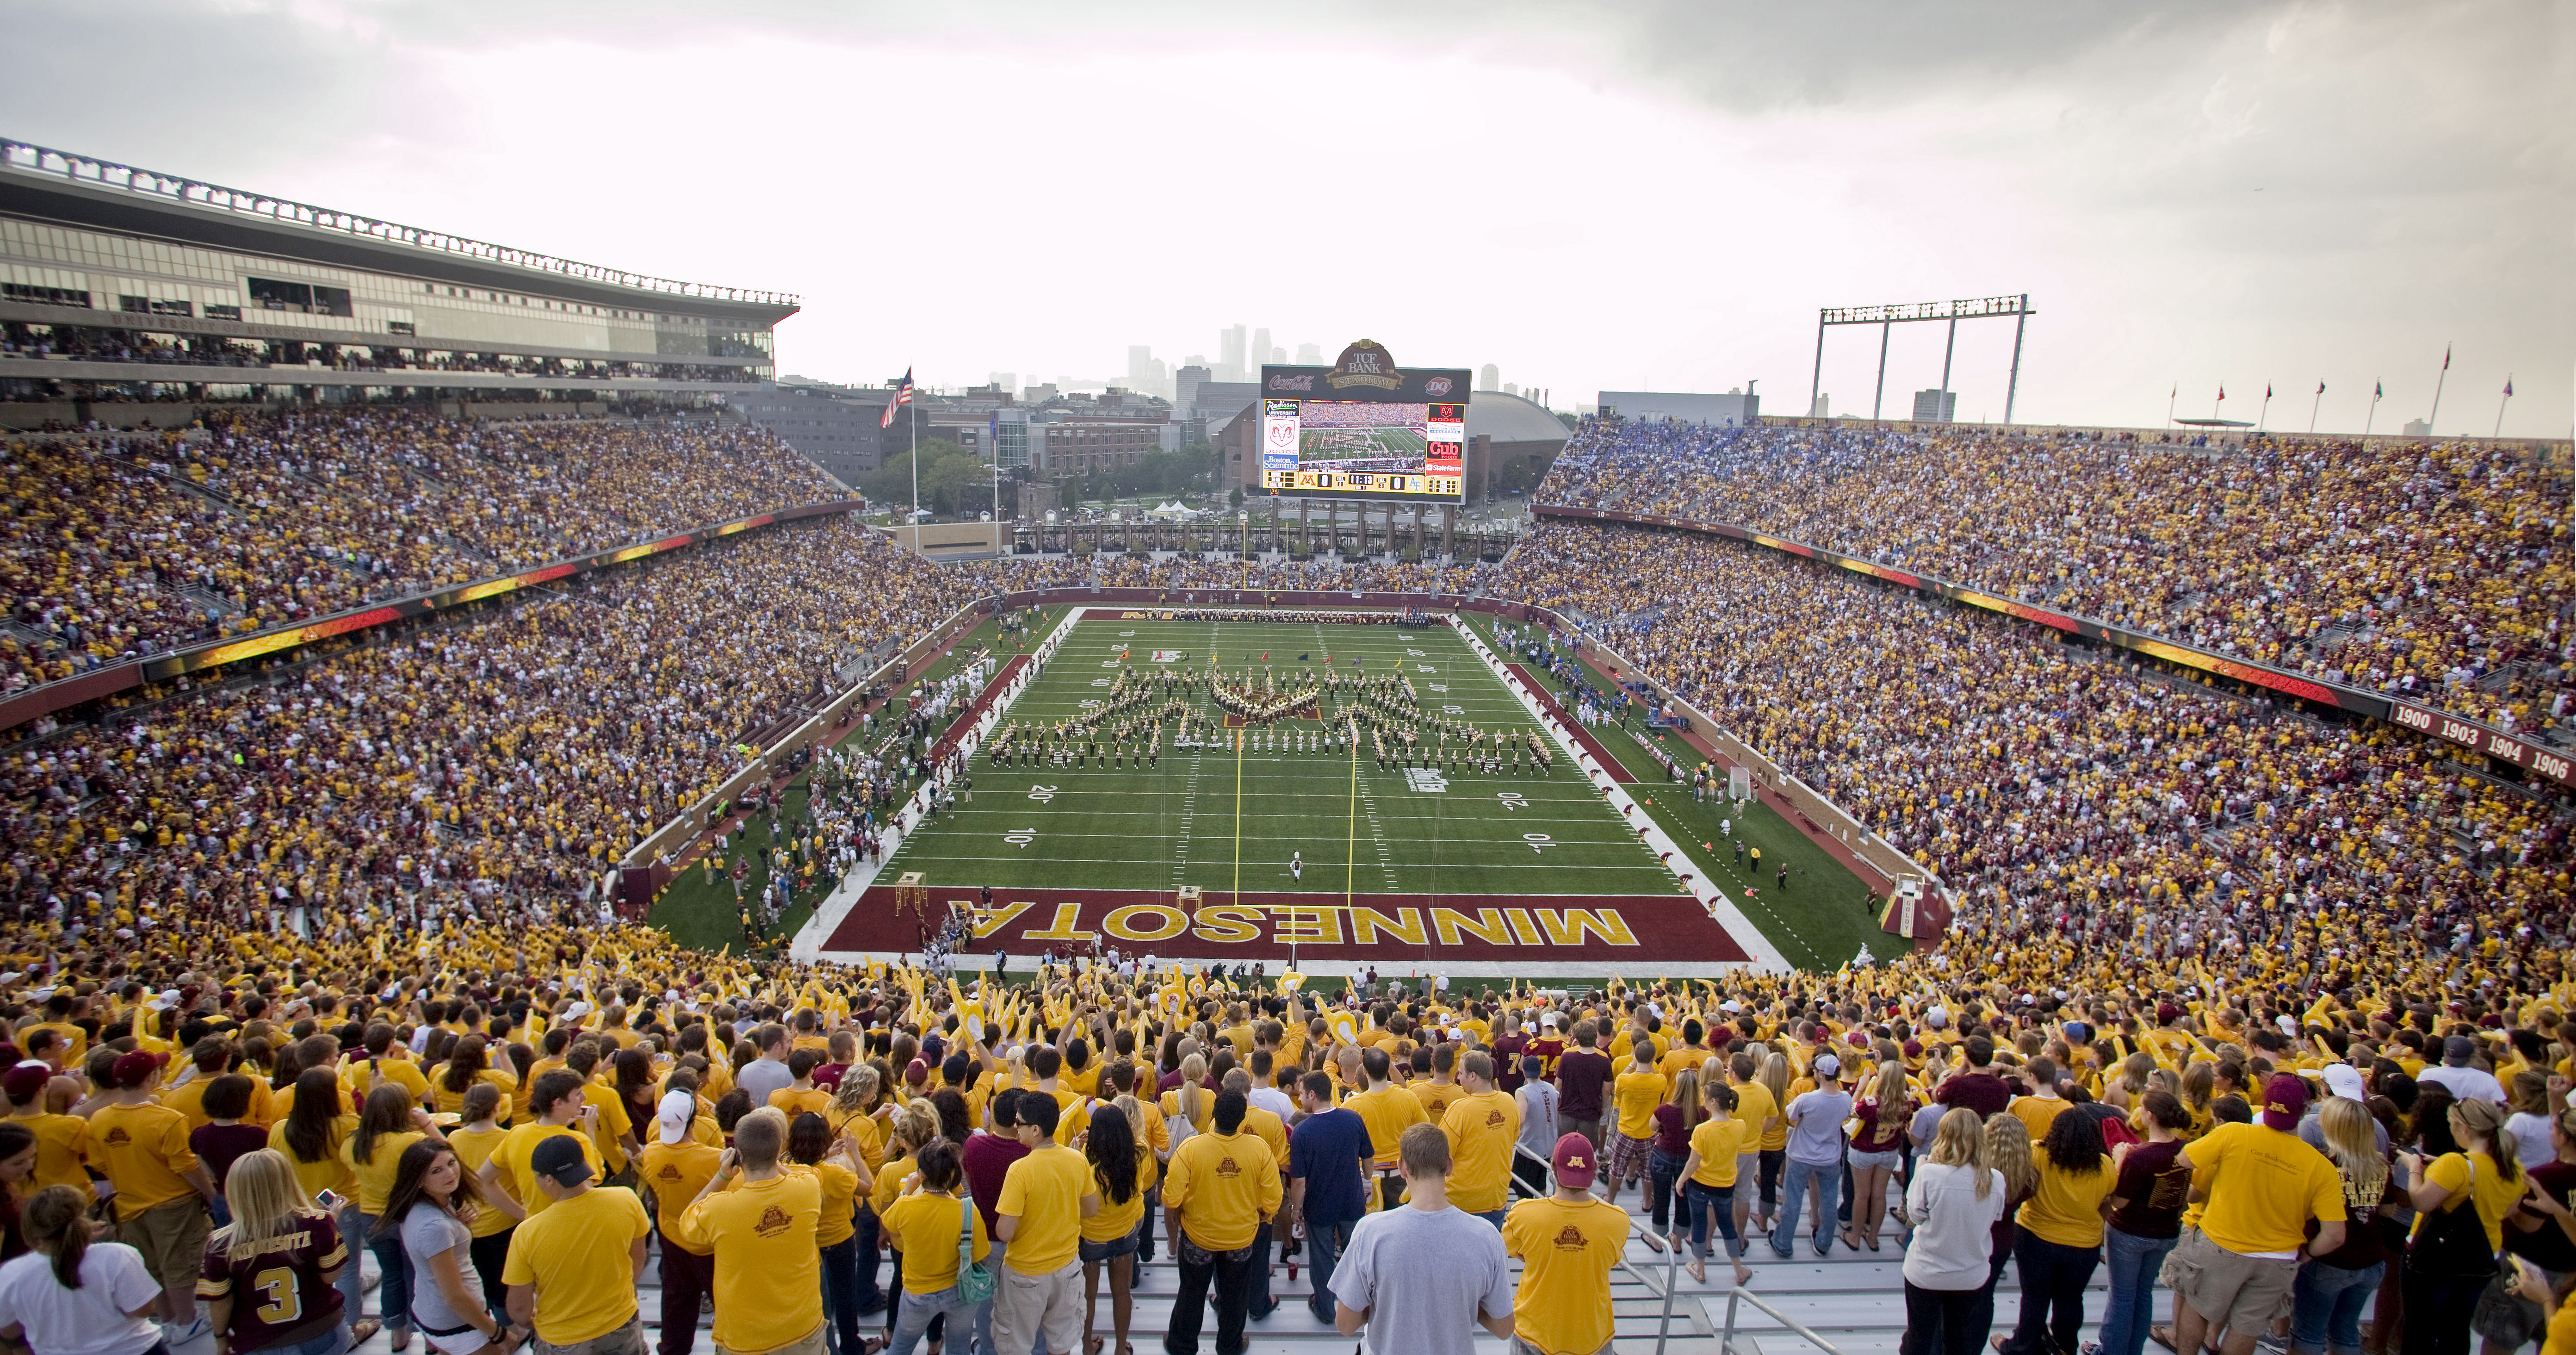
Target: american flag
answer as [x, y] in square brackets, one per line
[902, 397]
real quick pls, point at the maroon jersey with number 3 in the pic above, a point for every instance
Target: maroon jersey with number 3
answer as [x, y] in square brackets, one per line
[276, 1284]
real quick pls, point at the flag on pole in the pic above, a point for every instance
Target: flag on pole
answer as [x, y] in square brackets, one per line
[2378, 390]
[902, 397]
[2222, 390]
[2321, 388]
[2267, 390]
[2508, 386]
[2446, 357]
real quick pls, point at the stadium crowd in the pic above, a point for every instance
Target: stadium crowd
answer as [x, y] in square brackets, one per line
[516, 1120]
[2070, 797]
[475, 768]
[2438, 570]
[131, 543]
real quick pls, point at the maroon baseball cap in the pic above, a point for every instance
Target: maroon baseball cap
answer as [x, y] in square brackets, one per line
[25, 1082]
[135, 1069]
[1575, 1161]
[2285, 1099]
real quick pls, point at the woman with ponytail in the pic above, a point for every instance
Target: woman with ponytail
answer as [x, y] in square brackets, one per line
[74, 1293]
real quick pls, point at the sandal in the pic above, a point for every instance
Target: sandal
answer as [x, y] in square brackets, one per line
[2163, 1336]
[1698, 1271]
[361, 1329]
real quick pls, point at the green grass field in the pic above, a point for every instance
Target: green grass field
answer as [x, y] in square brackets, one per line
[1208, 817]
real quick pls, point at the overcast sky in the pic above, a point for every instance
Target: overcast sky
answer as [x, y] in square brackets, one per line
[1590, 196]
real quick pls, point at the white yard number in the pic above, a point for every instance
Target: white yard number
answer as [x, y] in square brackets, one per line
[1108, 663]
[1538, 842]
[1100, 682]
[1425, 668]
[1453, 710]
[1417, 653]
[1437, 686]
[1020, 837]
[1125, 633]
[1041, 794]
[1090, 701]
[1426, 780]
[1511, 799]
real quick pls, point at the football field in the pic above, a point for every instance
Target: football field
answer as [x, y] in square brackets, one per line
[1274, 839]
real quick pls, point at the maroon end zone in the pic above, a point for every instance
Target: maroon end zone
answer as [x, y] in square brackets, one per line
[1538, 933]
[1547, 700]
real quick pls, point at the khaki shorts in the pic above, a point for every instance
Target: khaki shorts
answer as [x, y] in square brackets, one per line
[172, 1238]
[811, 1343]
[2232, 1291]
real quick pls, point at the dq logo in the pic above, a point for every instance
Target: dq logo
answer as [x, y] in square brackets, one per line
[1438, 385]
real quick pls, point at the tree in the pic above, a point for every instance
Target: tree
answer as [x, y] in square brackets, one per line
[945, 469]
[1235, 499]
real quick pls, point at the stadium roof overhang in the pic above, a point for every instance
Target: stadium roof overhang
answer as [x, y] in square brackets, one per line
[100, 196]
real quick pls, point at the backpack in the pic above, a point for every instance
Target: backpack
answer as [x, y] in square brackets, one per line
[974, 1278]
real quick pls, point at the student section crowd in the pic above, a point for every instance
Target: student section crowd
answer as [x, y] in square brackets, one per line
[2437, 570]
[517, 1121]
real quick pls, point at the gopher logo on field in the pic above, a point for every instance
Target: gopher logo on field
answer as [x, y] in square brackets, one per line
[773, 1220]
[1571, 1238]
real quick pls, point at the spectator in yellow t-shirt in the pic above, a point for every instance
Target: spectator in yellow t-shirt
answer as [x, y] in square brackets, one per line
[1636, 1093]
[768, 1291]
[2061, 1233]
[163, 1194]
[1223, 1188]
[925, 1226]
[1045, 1197]
[1567, 1243]
[2263, 1186]
[572, 1266]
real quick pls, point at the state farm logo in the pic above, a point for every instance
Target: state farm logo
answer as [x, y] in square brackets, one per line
[1293, 383]
[1438, 385]
[773, 1220]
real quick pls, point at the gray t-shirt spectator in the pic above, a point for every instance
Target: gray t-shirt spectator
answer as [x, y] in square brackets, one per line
[760, 1077]
[426, 1231]
[1423, 1278]
[1925, 1122]
[1538, 1116]
[2464, 1083]
[1816, 1127]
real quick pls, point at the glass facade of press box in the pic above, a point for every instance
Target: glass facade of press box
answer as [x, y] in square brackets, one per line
[123, 277]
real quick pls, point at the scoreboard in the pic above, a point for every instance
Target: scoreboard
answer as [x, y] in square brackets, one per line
[1364, 429]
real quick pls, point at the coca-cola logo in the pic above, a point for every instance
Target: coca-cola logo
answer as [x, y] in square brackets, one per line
[1438, 385]
[1293, 383]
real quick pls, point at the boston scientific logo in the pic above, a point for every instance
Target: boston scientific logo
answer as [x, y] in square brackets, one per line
[1305, 382]
[1436, 386]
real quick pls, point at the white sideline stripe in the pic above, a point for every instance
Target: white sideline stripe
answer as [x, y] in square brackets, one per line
[827, 915]
[1767, 955]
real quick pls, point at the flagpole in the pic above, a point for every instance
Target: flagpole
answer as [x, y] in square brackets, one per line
[2437, 391]
[2169, 403]
[2317, 404]
[915, 424]
[2375, 390]
[2501, 402]
[2265, 413]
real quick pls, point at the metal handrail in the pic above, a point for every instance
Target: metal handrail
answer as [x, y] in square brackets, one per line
[1672, 1254]
[91, 170]
[1726, 1336]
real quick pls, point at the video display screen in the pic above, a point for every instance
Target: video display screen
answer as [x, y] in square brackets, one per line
[1370, 433]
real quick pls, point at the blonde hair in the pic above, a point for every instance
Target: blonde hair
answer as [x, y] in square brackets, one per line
[2484, 1120]
[1193, 1071]
[2348, 1130]
[1774, 1078]
[917, 1124]
[858, 1087]
[265, 1197]
[1686, 1093]
[1960, 1141]
[2008, 1152]
[1890, 1094]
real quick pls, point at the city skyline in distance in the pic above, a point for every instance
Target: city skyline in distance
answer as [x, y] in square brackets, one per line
[2200, 195]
